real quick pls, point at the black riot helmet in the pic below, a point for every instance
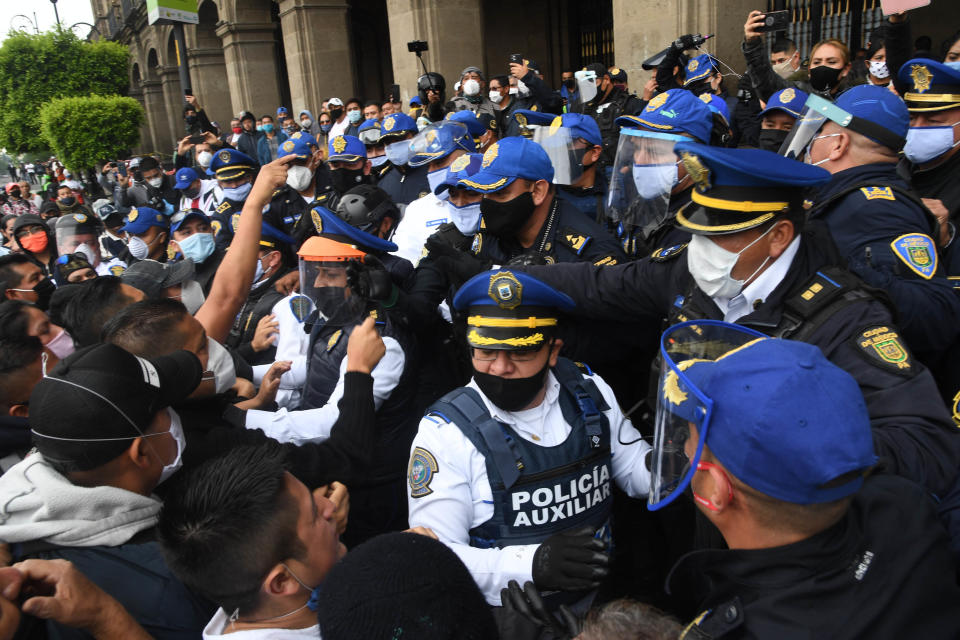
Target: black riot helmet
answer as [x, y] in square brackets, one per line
[431, 80]
[365, 206]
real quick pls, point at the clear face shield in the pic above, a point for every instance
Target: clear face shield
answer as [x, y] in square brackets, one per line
[78, 240]
[565, 152]
[645, 170]
[325, 284]
[436, 141]
[816, 112]
[586, 89]
[683, 410]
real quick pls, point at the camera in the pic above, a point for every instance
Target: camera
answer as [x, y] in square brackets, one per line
[417, 46]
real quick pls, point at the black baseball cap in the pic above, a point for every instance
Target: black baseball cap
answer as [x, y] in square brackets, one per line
[152, 277]
[87, 410]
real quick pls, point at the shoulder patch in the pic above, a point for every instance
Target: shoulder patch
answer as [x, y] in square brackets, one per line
[477, 244]
[667, 253]
[300, 307]
[917, 251]
[334, 339]
[216, 226]
[882, 346]
[955, 409]
[224, 206]
[116, 270]
[423, 465]
[878, 193]
[317, 220]
[235, 222]
[574, 240]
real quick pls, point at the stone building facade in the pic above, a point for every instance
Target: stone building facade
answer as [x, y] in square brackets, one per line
[256, 55]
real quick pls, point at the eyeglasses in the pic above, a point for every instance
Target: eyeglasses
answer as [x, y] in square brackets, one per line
[489, 355]
[30, 231]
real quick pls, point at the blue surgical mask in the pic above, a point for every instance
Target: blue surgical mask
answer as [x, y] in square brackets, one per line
[268, 128]
[354, 116]
[653, 180]
[378, 161]
[398, 152]
[238, 193]
[466, 218]
[434, 178]
[953, 65]
[198, 246]
[927, 143]
[326, 127]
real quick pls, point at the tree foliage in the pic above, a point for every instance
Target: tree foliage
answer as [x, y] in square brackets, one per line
[37, 68]
[83, 131]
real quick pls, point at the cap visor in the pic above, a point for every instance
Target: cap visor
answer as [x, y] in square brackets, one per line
[506, 339]
[790, 113]
[486, 182]
[343, 158]
[178, 271]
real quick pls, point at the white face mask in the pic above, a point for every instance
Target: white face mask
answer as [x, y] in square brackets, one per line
[466, 218]
[176, 430]
[710, 265]
[138, 248]
[191, 295]
[514, 91]
[435, 178]
[471, 87]
[204, 158]
[495, 97]
[299, 177]
[90, 254]
[61, 346]
[806, 155]
[784, 69]
[878, 69]
[654, 180]
[926, 143]
[155, 182]
[220, 365]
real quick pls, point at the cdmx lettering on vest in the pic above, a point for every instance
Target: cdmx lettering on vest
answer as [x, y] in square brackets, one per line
[564, 500]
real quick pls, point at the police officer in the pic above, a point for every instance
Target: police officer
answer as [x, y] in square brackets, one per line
[370, 209]
[610, 103]
[515, 470]
[369, 134]
[404, 183]
[148, 233]
[893, 247]
[752, 261]
[779, 117]
[933, 140]
[523, 216]
[78, 233]
[807, 532]
[483, 127]
[234, 173]
[377, 503]
[292, 201]
[349, 166]
[436, 148]
[574, 145]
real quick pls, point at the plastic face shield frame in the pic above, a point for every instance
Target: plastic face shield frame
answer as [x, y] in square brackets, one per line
[670, 475]
[816, 112]
[586, 84]
[437, 141]
[561, 147]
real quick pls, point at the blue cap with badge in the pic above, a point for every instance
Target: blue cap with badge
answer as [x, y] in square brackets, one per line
[505, 161]
[438, 141]
[185, 177]
[674, 111]
[369, 132]
[330, 225]
[142, 218]
[788, 100]
[716, 104]
[178, 219]
[699, 68]
[305, 136]
[510, 310]
[345, 149]
[396, 126]
[580, 126]
[470, 120]
[228, 164]
[932, 85]
[872, 106]
[298, 148]
[463, 167]
[739, 189]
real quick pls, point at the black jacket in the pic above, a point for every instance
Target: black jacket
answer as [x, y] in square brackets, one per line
[883, 571]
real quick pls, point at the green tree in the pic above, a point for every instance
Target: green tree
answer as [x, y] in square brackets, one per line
[83, 131]
[36, 68]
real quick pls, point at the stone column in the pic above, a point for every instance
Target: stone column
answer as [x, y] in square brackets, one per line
[208, 74]
[316, 41]
[173, 101]
[452, 28]
[159, 133]
[251, 64]
[641, 28]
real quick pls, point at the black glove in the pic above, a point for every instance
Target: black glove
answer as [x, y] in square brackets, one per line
[571, 561]
[525, 616]
[369, 279]
[459, 266]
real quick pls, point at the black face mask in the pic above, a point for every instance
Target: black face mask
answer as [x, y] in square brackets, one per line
[570, 83]
[44, 290]
[190, 193]
[69, 201]
[511, 394]
[15, 193]
[772, 139]
[336, 113]
[191, 120]
[824, 78]
[504, 219]
[329, 301]
[345, 179]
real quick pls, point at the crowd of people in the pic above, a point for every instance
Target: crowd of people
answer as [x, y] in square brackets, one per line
[508, 361]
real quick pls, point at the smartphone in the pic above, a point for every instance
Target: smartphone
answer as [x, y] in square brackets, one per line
[516, 58]
[394, 93]
[188, 92]
[122, 168]
[197, 139]
[775, 21]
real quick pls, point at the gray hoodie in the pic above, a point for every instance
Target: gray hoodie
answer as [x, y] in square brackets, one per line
[314, 126]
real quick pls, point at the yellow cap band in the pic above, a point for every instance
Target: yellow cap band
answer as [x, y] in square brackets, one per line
[737, 205]
[932, 97]
[749, 224]
[528, 323]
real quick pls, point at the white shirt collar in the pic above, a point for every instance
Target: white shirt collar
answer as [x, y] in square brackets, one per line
[218, 625]
[757, 291]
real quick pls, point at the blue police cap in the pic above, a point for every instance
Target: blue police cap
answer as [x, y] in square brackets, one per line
[282, 111]
[369, 131]
[933, 86]
[438, 141]
[228, 164]
[699, 68]
[178, 219]
[674, 111]
[271, 237]
[739, 189]
[298, 148]
[463, 167]
[580, 126]
[788, 100]
[332, 226]
[468, 119]
[510, 310]
[872, 106]
[185, 178]
[415, 100]
[396, 126]
[346, 149]
[142, 218]
[716, 104]
[505, 161]
[306, 136]
[786, 421]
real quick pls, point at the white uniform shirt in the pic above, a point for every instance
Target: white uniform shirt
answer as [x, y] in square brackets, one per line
[217, 627]
[111, 267]
[460, 495]
[292, 343]
[314, 425]
[420, 219]
[757, 291]
[207, 200]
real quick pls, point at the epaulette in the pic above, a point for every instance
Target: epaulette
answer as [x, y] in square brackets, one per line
[663, 254]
